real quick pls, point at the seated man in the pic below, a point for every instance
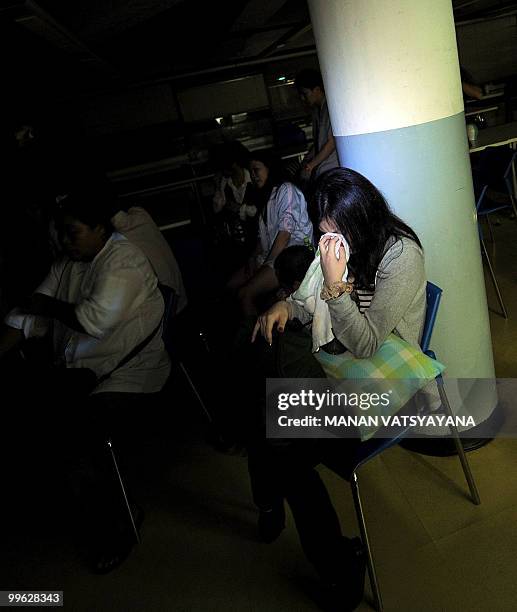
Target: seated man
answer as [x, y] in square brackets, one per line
[101, 305]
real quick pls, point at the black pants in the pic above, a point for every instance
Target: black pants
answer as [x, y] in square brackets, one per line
[285, 469]
[56, 440]
[279, 472]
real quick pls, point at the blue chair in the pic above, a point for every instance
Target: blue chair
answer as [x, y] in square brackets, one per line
[484, 210]
[508, 179]
[373, 447]
[494, 168]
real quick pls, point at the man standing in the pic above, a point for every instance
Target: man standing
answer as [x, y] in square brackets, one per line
[322, 155]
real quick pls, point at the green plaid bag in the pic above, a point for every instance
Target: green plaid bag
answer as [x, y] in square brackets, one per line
[395, 358]
[397, 366]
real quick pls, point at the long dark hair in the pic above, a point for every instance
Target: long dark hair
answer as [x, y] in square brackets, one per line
[276, 176]
[223, 155]
[363, 216]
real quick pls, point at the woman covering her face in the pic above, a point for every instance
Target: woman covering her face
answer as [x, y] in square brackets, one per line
[377, 289]
[386, 288]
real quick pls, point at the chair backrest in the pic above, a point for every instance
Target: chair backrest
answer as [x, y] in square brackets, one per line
[508, 174]
[433, 296]
[509, 161]
[493, 169]
[170, 299]
[480, 194]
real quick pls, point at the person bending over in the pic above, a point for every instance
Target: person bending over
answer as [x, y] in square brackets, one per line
[384, 293]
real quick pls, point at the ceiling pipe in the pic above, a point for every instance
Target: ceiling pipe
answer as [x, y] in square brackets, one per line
[263, 60]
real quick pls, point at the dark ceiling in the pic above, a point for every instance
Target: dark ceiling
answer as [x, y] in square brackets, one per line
[89, 44]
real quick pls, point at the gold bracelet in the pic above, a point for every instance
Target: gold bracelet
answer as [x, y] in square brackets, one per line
[335, 290]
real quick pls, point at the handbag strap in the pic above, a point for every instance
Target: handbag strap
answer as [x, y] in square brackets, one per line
[133, 353]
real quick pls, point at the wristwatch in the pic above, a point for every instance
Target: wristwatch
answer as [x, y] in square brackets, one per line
[335, 290]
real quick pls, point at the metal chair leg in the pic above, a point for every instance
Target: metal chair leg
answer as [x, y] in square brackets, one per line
[364, 537]
[193, 387]
[459, 447]
[514, 206]
[491, 231]
[511, 185]
[126, 501]
[494, 280]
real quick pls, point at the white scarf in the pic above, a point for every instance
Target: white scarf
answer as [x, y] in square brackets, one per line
[308, 296]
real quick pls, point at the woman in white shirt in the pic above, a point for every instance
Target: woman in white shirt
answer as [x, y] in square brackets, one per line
[283, 222]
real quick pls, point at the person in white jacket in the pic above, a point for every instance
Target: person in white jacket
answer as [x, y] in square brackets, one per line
[100, 304]
[137, 225]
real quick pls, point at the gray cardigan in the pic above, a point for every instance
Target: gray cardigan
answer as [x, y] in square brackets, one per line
[398, 304]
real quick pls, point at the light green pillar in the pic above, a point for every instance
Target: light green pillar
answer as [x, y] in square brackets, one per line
[393, 88]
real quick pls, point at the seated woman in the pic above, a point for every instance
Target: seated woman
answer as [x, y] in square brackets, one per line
[231, 161]
[283, 222]
[384, 293]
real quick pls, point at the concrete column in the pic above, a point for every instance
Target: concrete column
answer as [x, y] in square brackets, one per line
[393, 87]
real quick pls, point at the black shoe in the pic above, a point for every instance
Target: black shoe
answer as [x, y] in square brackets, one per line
[223, 443]
[271, 523]
[347, 593]
[117, 547]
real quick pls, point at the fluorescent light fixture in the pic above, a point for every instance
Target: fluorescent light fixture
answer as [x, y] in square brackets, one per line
[239, 117]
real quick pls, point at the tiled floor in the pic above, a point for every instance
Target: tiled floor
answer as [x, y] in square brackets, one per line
[435, 550]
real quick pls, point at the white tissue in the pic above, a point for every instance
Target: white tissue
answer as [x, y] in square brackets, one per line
[340, 242]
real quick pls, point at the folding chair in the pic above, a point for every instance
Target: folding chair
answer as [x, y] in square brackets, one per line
[494, 169]
[170, 299]
[132, 519]
[373, 447]
[484, 210]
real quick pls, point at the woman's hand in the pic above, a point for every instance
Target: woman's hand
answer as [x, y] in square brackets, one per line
[307, 169]
[332, 267]
[277, 315]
